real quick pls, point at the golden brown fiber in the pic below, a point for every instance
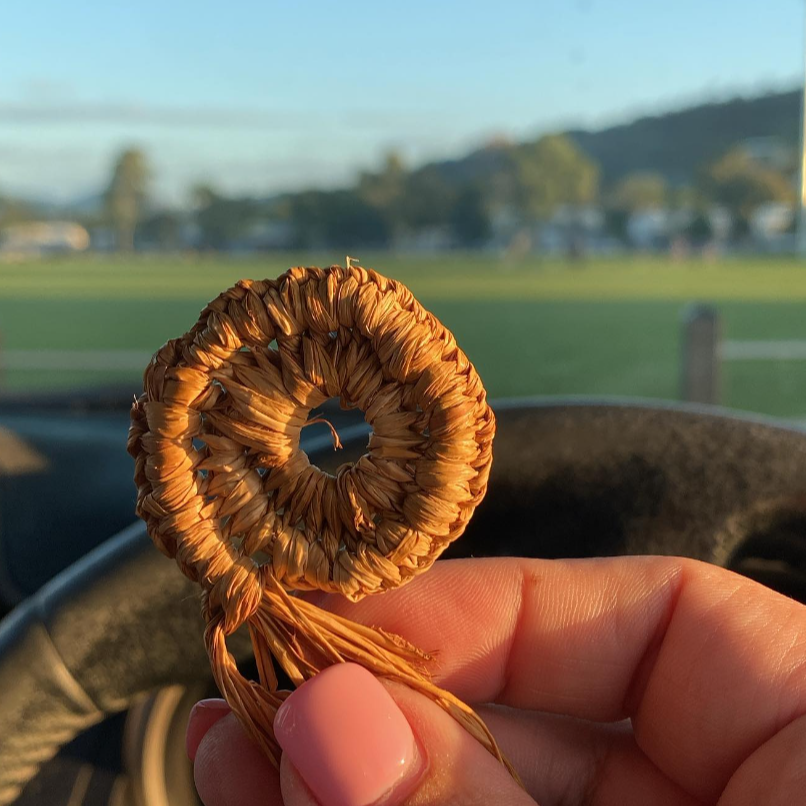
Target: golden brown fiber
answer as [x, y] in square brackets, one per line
[226, 490]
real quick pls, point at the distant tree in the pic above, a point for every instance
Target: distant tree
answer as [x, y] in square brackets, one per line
[13, 211]
[639, 191]
[549, 173]
[126, 195]
[684, 197]
[699, 231]
[221, 220]
[385, 190]
[615, 222]
[162, 229]
[203, 195]
[741, 184]
[340, 219]
[470, 222]
[427, 199]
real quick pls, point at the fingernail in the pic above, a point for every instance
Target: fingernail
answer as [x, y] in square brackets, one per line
[348, 739]
[203, 716]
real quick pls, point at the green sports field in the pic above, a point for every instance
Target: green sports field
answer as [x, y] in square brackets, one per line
[605, 327]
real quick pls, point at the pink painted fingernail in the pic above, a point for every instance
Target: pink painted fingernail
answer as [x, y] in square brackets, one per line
[203, 716]
[348, 739]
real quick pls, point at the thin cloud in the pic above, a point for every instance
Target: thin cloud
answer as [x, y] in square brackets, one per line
[81, 113]
[26, 114]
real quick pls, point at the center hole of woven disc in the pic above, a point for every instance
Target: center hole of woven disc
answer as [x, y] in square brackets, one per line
[329, 454]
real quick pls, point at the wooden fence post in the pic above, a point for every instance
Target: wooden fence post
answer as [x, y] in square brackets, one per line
[700, 381]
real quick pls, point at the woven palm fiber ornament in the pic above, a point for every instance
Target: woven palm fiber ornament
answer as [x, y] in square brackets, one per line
[226, 491]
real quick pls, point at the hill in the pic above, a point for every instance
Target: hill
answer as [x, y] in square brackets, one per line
[675, 144]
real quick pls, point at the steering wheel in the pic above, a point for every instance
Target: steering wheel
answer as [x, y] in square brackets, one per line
[569, 479]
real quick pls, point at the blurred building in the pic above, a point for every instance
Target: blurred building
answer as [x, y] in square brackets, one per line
[43, 237]
[574, 230]
[772, 219]
[772, 228]
[649, 229]
[426, 240]
[261, 236]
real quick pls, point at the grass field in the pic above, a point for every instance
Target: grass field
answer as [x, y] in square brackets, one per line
[608, 327]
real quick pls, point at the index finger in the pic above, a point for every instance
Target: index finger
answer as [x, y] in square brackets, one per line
[709, 665]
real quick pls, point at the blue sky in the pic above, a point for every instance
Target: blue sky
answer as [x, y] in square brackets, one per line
[258, 96]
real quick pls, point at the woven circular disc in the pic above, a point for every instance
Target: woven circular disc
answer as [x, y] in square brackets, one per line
[222, 482]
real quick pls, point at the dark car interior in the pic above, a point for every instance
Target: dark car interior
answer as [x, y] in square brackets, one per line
[101, 657]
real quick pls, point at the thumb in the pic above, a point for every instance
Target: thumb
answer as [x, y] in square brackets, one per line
[349, 740]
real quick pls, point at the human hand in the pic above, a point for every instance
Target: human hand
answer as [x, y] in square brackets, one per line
[610, 681]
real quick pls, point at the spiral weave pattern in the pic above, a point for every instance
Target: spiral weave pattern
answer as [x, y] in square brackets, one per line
[226, 490]
[249, 496]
